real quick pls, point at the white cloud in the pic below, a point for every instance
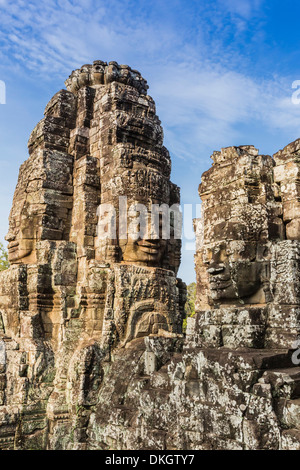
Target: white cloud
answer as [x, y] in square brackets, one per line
[201, 98]
[244, 8]
[203, 107]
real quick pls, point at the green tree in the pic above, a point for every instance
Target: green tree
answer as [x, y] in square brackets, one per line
[190, 303]
[4, 264]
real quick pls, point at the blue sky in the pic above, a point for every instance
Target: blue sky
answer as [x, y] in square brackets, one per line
[220, 72]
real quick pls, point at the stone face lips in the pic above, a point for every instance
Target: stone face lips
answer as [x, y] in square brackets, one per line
[92, 354]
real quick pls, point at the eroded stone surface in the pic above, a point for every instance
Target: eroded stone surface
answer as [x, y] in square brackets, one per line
[92, 354]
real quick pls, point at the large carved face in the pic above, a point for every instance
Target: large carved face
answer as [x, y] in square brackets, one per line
[233, 270]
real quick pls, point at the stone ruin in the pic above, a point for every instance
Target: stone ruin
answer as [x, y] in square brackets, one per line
[92, 353]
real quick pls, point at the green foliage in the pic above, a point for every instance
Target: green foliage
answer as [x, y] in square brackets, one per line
[4, 264]
[191, 299]
[190, 303]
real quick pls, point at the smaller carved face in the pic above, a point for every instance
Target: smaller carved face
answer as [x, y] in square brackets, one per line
[21, 236]
[143, 249]
[233, 270]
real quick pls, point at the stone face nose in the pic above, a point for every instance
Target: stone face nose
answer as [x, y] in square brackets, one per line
[10, 236]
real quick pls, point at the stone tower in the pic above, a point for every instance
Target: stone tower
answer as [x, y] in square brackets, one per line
[248, 240]
[72, 295]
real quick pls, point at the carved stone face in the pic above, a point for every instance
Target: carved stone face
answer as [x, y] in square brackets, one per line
[21, 235]
[233, 270]
[143, 250]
